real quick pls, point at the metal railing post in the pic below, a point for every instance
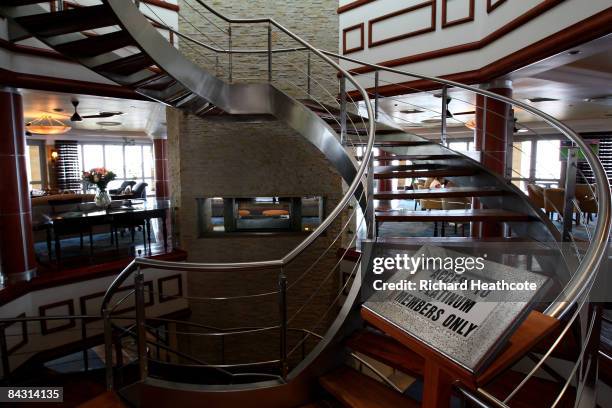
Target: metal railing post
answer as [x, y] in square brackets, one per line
[370, 213]
[308, 73]
[282, 306]
[443, 135]
[570, 192]
[509, 145]
[342, 109]
[483, 141]
[269, 52]
[376, 83]
[141, 323]
[108, 348]
[230, 56]
[6, 367]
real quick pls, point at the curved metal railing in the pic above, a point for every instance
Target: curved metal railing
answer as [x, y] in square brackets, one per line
[569, 302]
[597, 250]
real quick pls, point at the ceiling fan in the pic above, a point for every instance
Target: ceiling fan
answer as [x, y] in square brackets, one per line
[103, 114]
[76, 117]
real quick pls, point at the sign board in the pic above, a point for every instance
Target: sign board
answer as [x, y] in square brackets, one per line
[466, 316]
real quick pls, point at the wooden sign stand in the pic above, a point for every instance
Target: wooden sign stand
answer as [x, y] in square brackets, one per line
[441, 373]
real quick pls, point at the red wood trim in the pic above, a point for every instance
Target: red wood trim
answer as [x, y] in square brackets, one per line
[349, 254]
[492, 4]
[494, 36]
[446, 23]
[69, 4]
[45, 83]
[162, 4]
[432, 27]
[35, 51]
[160, 285]
[42, 311]
[157, 3]
[581, 32]
[345, 31]
[353, 5]
[55, 278]
[149, 300]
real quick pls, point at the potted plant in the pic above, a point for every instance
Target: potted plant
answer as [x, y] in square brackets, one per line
[100, 177]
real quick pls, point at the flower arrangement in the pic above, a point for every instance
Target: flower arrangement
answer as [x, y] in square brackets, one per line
[100, 177]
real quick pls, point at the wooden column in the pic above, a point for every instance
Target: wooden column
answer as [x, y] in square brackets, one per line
[490, 135]
[162, 185]
[16, 239]
[384, 184]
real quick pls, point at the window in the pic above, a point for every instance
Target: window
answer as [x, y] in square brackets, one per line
[459, 146]
[36, 164]
[536, 161]
[128, 162]
[548, 162]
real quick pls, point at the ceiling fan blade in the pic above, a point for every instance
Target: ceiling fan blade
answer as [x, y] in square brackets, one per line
[101, 115]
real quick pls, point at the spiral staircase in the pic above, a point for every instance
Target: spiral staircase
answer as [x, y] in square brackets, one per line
[341, 119]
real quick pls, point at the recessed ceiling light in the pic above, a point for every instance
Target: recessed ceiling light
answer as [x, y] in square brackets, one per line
[536, 100]
[108, 123]
[523, 130]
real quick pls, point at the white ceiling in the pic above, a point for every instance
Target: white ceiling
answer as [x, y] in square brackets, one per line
[134, 120]
[580, 79]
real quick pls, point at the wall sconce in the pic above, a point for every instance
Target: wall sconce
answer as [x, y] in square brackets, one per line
[54, 155]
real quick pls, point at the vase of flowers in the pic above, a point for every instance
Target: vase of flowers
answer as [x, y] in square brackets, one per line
[100, 177]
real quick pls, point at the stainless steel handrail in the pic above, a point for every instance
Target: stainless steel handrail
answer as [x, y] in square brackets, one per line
[595, 252]
[587, 269]
[357, 181]
[592, 259]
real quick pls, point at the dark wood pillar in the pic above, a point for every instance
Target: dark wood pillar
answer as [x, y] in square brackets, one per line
[162, 185]
[384, 184]
[16, 237]
[493, 119]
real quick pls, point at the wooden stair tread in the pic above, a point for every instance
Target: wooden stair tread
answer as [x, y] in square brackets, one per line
[402, 157]
[393, 143]
[448, 192]
[16, 3]
[407, 167]
[533, 329]
[68, 21]
[127, 65]
[108, 399]
[96, 45]
[359, 391]
[431, 172]
[388, 351]
[488, 214]
[544, 390]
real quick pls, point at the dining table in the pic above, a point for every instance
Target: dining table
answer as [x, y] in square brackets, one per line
[86, 216]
